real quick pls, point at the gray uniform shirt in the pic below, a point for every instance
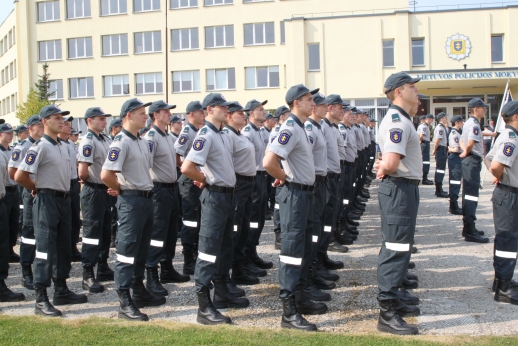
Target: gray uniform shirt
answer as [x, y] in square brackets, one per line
[318, 144]
[73, 157]
[163, 155]
[454, 139]
[4, 162]
[350, 144]
[293, 146]
[424, 129]
[19, 152]
[254, 135]
[8, 154]
[212, 151]
[243, 151]
[49, 161]
[333, 158]
[504, 151]
[366, 136]
[359, 137]
[265, 134]
[273, 134]
[372, 135]
[341, 143]
[398, 135]
[130, 158]
[441, 132]
[184, 142]
[471, 130]
[93, 150]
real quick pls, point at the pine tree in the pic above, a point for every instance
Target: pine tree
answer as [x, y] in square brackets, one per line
[32, 106]
[43, 84]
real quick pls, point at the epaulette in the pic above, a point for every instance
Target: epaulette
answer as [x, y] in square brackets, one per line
[203, 130]
[309, 127]
[512, 134]
[277, 128]
[186, 129]
[89, 135]
[225, 130]
[395, 118]
[117, 138]
[36, 143]
[151, 133]
[290, 122]
[341, 127]
[247, 128]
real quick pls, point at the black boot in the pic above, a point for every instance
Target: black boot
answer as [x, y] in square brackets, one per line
[514, 284]
[27, 277]
[223, 299]
[189, 262]
[142, 297]
[342, 239]
[241, 277]
[410, 284]
[234, 290]
[410, 276]
[351, 222]
[407, 298]
[153, 284]
[426, 181]
[411, 265]
[169, 275]
[207, 313]
[439, 192]
[330, 264]
[334, 246]
[258, 261]
[311, 291]
[352, 230]
[277, 244]
[90, 283]
[13, 256]
[404, 310]
[6, 295]
[104, 272]
[250, 268]
[292, 319]
[43, 306]
[473, 236]
[505, 293]
[325, 274]
[127, 308]
[75, 254]
[306, 306]
[390, 322]
[454, 207]
[64, 296]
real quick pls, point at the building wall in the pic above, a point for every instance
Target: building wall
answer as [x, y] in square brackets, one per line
[8, 70]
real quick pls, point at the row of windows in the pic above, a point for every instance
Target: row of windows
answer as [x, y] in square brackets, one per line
[8, 73]
[8, 104]
[8, 41]
[182, 81]
[48, 11]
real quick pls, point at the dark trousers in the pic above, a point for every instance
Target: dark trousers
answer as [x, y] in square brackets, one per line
[330, 212]
[115, 218]
[52, 228]
[270, 193]
[455, 169]
[425, 153]
[316, 226]
[487, 146]
[97, 217]
[242, 213]
[133, 238]
[4, 243]
[215, 243]
[276, 215]
[399, 202]
[505, 216]
[347, 191]
[471, 167]
[12, 207]
[20, 217]
[259, 201]
[76, 210]
[372, 157]
[191, 212]
[165, 225]
[441, 156]
[28, 241]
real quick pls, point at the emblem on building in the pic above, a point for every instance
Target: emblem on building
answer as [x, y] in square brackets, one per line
[458, 46]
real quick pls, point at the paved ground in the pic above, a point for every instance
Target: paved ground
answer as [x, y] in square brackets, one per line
[454, 278]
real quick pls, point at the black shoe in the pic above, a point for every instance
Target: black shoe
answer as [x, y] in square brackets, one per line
[426, 181]
[411, 265]
[413, 250]
[234, 290]
[153, 284]
[104, 272]
[6, 295]
[407, 298]
[313, 293]
[258, 261]
[306, 306]
[327, 275]
[277, 244]
[267, 217]
[251, 269]
[439, 192]
[322, 283]
[351, 223]
[514, 284]
[13, 256]
[75, 255]
[505, 293]
[405, 310]
[64, 296]
[169, 275]
[454, 208]
[223, 299]
[90, 283]
[352, 236]
[330, 264]
[142, 297]
[359, 207]
[475, 237]
[127, 308]
[479, 232]
[352, 230]
[189, 262]
[410, 284]
[43, 306]
[292, 319]
[207, 313]
[342, 239]
[390, 322]
[410, 276]
[353, 216]
[27, 277]
[334, 246]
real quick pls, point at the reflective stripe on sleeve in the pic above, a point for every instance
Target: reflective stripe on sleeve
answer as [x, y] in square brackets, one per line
[90, 241]
[505, 254]
[124, 259]
[471, 198]
[28, 241]
[207, 257]
[156, 243]
[397, 247]
[290, 260]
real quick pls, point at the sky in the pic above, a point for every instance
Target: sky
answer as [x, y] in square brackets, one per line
[6, 6]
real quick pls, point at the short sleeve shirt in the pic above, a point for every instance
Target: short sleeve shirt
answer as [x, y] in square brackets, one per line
[254, 135]
[333, 158]
[4, 161]
[424, 130]
[73, 158]
[130, 158]
[8, 154]
[441, 133]
[265, 134]
[318, 145]
[19, 152]
[350, 145]
[366, 136]
[454, 139]
[243, 152]
[93, 150]
[471, 130]
[397, 134]
[505, 151]
[163, 155]
[293, 146]
[273, 134]
[184, 142]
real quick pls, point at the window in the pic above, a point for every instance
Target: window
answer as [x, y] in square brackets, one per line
[149, 83]
[111, 7]
[56, 89]
[219, 36]
[11, 38]
[78, 9]
[497, 48]
[48, 11]
[218, 2]
[183, 3]
[262, 77]
[81, 87]
[283, 33]
[184, 81]
[115, 45]
[418, 52]
[146, 5]
[148, 42]
[184, 39]
[116, 85]
[221, 79]
[49, 50]
[388, 53]
[80, 48]
[12, 70]
[245, 1]
[259, 33]
[314, 57]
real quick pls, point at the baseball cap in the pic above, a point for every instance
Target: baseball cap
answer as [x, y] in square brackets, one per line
[320, 99]
[476, 102]
[175, 119]
[95, 112]
[236, 106]
[253, 104]
[268, 116]
[132, 104]
[194, 106]
[75, 132]
[280, 111]
[430, 116]
[34, 120]
[456, 118]
[215, 99]
[510, 109]
[440, 116]
[115, 123]
[335, 99]
[422, 117]
[396, 80]
[21, 128]
[159, 105]
[68, 118]
[47, 111]
[297, 91]
[6, 127]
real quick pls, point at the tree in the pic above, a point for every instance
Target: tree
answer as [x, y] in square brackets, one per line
[32, 106]
[43, 84]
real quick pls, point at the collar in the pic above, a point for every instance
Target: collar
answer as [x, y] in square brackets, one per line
[314, 123]
[253, 126]
[159, 131]
[327, 121]
[402, 111]
[212, 127]
[297, 120]
[233, 130]
[31, 139]
[192, 127]
[266, 129]
[2, 148]
[100, 137]
[474, 118]
[51, 140]
[511, 128]
[129, 134]
[334, 125]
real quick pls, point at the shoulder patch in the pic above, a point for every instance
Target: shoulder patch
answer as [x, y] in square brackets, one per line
[344, 136]
[225, 130]
[311, 139]
[440, 132]
[262, 129]
[30, 157]
[16, 155]
[203, 130]
[150, 144]
[87, 150]
[289, 122]
[89, 135]
[277, 128]
[185, 129]
[198, 144]
[284, 136]
[113, 154]
[183, 139]
[309, 127]
[117, 138]
[322, 122]
[476, 130]
[456, 139]
[151, 133]
[396, 135]
[395, 118]
[512, 134]
[509, 149]
[36, 143]
[247, 128]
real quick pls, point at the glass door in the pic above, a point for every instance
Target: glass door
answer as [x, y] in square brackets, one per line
[451, 109]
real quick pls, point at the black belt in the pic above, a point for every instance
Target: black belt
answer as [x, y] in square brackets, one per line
[11, 188]
[96, 186]
[222, 189]
[262, 173]
[333, 175]
[164, 185]
[245, 177]
[74, 181]
[140, 193]
[476, 157]
[404, 180]
[320, 179]
[425, 142]
[349, 164]
[507, 188]
[299, 186]
[54, 193]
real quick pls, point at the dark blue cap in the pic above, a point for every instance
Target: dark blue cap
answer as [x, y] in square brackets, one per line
[440, 116]
[68, 118]
[297, 91]
[114, 123]
[253, 104]
[335, 99]
[143, 130]
[456, 118]
[348, 108]
[396, 80]
[194, 106]
[268, 116]
[476, 102]
[95, 112]
[510, 109]
[6, 127]
[422, 117]
[75, 132]
[34, 120]
[372, 120]
[320, 99]
[21, 128]
[132, 104]
[236, 106]
[175, 119]
[2, 121]
[47, 111]
[159, 105]
[430, 116]
[215, 99]
[280, 111]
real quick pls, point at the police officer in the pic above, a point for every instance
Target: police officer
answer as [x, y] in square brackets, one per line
[372, 134]
[49, 160]
[212, 151]
[501, 162]
[175, 126]
[298, 177]
[126, 173]
[398, 196]
[113, 130]
[454, 163]
[95, 201]
[424, 136]
[266, 130]
[22, 133]
[440, 151]
[27, 240]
